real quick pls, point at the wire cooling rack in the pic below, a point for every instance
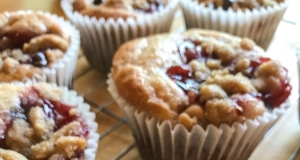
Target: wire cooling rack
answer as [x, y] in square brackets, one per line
[121, 120]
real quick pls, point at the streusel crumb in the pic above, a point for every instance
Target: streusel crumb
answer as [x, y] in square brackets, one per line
[233, 83]
[19, 137]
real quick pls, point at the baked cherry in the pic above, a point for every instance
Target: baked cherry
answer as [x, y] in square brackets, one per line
[279, 95]
[178, 73]
[20, 37]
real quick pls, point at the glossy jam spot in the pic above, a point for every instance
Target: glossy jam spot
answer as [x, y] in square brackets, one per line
[279, 95]
[178, 73]
[56, 110]
[190, 50]
[39, 60]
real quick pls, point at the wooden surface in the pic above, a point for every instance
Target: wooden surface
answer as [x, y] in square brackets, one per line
[282, 141]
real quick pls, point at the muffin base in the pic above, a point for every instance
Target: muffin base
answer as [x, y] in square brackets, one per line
[160, 141]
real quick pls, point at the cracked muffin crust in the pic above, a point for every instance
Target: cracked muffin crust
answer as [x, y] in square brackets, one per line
[199, 77]
[36, 125]
[119, 8]
[239, 4]
[28, 43]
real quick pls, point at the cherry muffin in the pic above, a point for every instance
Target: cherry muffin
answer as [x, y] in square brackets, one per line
[35, 45]
[107, 25]
[37, 124]
[203, 82]
[256, 19]
[119, 8]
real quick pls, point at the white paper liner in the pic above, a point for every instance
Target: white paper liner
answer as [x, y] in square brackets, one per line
[160, 141]
[259, 24]
[62, 71]
[70, 97]
[101, 38]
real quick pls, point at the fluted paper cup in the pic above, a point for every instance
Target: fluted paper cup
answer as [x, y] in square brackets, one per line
[259, 24]
[62, 71]
[101, 38]
[161, 141]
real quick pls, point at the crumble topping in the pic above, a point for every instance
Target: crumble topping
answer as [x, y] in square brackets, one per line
[120, 8]
[28, 43]
[218, 78]
[240, 4]
[35, 124]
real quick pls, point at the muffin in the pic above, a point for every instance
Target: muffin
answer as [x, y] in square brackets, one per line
[256, 19]
[198, 95]
[40, 121]
[105, 26]
[37, 46]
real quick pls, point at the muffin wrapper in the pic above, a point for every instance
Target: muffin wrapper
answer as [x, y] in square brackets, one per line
[62, 71]
[258, 24]
[70, 97]
[101, 38]
[160, 141]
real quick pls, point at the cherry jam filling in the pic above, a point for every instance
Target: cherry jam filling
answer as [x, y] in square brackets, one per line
[183, 77]
[56, 110]
[190, 50]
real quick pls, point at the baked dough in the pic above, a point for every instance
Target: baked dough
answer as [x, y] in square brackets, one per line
[117, 8]
[140, 75]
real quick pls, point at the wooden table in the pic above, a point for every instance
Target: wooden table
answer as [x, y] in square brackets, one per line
[279, 144]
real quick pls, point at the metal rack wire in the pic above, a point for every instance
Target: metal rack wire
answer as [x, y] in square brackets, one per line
[120, 120]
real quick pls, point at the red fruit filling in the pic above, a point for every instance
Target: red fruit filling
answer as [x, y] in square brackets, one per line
[190, 50]
[56, 110]
[20, 37]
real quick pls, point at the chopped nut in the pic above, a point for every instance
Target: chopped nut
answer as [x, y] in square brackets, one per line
[70, 144]
[211, 91]
[242, 65]
[213, 64]
[187, 121]
[219, 111]
[225, 53]
[233, 83]
[53, 55]
[9, 65]
[208, 47]
[46, 41]
[270, 68]
[10, 155]
[196, 111]
[42, 126]
[247, 44]
[20, 137]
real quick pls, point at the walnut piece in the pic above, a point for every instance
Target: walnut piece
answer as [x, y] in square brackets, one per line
[219, 111]
[10, 155]
[211, 91]
[233, 83]
[68, 145]
[42, 126]
[44, 42]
